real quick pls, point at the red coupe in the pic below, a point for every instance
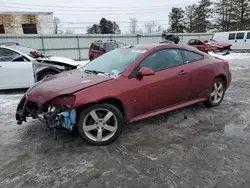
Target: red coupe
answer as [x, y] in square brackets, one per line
[123, 86]
[205, 45]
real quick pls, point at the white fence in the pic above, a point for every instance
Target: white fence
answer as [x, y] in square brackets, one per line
[76, 46]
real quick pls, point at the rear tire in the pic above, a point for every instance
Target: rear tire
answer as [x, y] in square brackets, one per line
[217, 92]
[91, 59]
[100, 124]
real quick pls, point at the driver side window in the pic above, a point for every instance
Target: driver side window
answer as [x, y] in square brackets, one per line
[7, 55]
[199, 42]
[163, 59]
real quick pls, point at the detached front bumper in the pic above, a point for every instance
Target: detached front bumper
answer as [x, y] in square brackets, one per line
[54, 116]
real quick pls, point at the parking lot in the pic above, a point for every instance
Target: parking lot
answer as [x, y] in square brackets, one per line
[196, 147]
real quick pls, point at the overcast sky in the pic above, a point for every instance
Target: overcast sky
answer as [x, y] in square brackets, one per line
[93, 10]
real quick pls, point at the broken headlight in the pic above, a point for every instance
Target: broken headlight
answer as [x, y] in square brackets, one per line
[65, 100]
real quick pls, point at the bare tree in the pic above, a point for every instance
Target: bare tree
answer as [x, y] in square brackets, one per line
[159, 28]
[56, 23]
[60, 32]
[150, 27]
[140, 31]
[133, 25]
[69, 31]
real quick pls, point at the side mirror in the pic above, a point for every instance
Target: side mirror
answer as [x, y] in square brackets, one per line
[144, 71]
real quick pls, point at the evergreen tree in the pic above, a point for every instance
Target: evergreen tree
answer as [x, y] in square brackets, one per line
[104, 27]
[95, 29]
[202, 16]
[176, 20]
[190, 11]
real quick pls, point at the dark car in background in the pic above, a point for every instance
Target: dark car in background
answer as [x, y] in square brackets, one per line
[100, 47]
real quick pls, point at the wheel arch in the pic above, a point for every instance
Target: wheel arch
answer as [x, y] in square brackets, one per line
[113, 101]
[223, 77]
[50, 69]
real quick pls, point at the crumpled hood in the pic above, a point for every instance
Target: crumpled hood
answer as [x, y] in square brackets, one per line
[62, 60]
[64, 83]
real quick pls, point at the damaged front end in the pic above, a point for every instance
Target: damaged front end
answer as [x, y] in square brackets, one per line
[56, 113]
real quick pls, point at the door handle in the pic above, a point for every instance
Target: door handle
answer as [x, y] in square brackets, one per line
[182, 72]
[0, 66]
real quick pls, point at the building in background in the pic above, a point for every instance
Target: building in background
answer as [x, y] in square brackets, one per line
[26, 23]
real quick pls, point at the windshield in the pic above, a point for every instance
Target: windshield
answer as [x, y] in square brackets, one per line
[114, 62]
[23, 49]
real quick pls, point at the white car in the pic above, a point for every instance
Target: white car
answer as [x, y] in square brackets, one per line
[21, 67]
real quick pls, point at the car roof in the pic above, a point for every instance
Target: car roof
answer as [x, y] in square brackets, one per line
[162, 46]
[144, 46]
[156, 45]
[8, 44]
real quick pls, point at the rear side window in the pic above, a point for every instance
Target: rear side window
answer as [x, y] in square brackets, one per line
[231, 36]
[192, 56]
[248, 35]
[240, 35]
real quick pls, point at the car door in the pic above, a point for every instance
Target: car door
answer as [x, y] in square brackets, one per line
[17, 73]
[200, 74]
[169, 86]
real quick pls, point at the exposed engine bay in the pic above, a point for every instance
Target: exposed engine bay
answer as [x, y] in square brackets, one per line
[55, 114]
[42, 66]
[55, 65]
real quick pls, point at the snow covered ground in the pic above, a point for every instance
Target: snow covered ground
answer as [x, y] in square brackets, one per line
[237, 61]
[232, 55]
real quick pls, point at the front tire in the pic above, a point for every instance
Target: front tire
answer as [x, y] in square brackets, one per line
[217, 93]
[100, 124]
[46, 75]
